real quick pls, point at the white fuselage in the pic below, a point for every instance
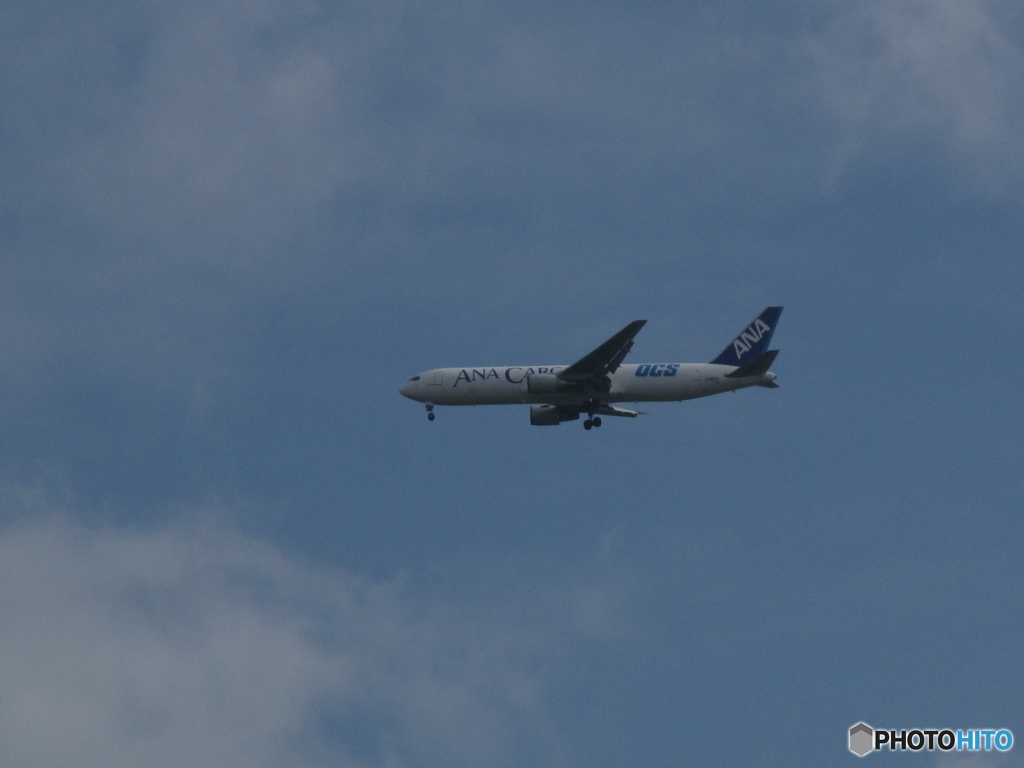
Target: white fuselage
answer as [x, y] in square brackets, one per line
[507, 385]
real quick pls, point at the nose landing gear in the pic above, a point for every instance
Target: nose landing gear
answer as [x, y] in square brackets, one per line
[430, 411]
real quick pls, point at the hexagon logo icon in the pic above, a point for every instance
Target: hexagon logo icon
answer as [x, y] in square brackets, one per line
[862, 738]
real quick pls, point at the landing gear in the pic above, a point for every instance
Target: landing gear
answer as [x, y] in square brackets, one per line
[430, 411]
[594, 421]
[590, 423]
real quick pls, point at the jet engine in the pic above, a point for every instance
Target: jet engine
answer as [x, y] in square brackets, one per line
[550, 415]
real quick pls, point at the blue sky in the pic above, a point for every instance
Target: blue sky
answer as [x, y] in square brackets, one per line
[231, 230]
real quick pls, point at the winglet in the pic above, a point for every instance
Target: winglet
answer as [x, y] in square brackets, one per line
[752, 341]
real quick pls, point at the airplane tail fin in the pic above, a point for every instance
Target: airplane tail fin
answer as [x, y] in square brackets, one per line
[752, 343]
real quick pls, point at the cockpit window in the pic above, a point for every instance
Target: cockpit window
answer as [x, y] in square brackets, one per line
[415, 378]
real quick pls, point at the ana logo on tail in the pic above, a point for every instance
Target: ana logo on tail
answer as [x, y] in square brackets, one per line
[752, 341]
[750, 337]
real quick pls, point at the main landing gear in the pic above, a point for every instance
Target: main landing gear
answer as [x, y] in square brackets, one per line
[591, 423]
[594, 421]
[430, 411]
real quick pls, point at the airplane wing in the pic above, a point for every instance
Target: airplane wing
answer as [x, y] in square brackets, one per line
[606, 358]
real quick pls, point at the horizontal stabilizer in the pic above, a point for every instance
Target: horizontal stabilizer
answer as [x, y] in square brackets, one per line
[611, 410]
[756, 367]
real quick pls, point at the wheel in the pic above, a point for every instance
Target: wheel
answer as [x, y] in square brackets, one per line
[430, 417]
[588, 424]
[597, 421]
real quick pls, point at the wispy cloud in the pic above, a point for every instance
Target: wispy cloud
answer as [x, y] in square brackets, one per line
[173, 168]
[195, 645]
[947, 73]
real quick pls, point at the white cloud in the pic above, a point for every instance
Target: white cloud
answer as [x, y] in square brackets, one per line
[945, 71]
[195, 645]
[228, 133]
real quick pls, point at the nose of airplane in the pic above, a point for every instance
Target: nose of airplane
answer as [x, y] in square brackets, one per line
[410, 388]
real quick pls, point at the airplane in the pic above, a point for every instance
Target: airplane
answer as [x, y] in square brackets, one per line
[558, 393]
